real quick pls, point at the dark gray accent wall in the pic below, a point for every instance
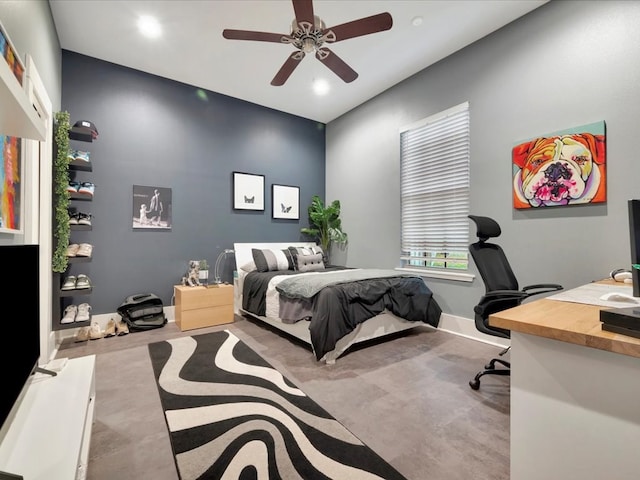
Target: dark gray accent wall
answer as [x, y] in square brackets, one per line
[158, 132]
[563, 65]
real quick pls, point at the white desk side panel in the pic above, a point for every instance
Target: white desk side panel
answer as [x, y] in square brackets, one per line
[575, 412]
[45, 439]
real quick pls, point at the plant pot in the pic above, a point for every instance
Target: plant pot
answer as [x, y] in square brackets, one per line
[203, 276]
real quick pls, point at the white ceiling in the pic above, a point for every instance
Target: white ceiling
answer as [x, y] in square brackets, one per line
[193, 51]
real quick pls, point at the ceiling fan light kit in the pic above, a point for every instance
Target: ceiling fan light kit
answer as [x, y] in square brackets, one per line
[310, 35]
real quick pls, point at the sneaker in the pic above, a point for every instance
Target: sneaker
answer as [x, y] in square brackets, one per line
[84, 313]
[82, 335]
[110, 331]
[72, 250]
[69, 314]
[84, 250]
[73, 186]
[84, 218]
[69, 283]
[81, 156]
[83, 282]
[86, 188]
[71, 156]
[94, 331]
[73, 218]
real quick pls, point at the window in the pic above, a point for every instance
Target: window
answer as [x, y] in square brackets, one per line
[434, 189]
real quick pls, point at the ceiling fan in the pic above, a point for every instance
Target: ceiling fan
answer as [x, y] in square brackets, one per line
[309, 34]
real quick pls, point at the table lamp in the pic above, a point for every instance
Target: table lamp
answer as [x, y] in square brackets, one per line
[219, 260]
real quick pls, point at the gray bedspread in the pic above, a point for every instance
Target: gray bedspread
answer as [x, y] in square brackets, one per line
[306, 286]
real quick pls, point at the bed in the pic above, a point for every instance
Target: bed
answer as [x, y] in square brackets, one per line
[330, 308]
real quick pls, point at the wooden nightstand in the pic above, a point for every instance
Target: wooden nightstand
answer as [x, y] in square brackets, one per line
[198, 307]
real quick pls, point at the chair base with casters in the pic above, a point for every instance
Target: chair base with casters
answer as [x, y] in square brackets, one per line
[502, 290]
[490, 369]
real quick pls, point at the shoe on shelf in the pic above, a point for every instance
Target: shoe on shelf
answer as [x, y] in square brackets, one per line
[73, 249]
[82, 335]
[84, 250]
[110, 331]
[86, 188]
[94, 331]
[69, 314]
[84, 313]
[83, 282]
[84, 218]
[81, 156]
[71, 156]
[122, 328]
[73, 218]
[73, 186]
[69, 283]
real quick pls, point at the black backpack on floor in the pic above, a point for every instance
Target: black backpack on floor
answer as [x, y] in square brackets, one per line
[143, 311]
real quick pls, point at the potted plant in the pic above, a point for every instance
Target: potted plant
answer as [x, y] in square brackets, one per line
[203, 273]
[326, 226]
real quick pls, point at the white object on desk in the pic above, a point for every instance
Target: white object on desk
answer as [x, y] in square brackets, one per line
[592, 293]
[619, 297]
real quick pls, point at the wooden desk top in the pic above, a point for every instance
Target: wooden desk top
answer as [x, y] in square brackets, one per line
[575, 323]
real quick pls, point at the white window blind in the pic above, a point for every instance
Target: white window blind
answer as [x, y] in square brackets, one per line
[434, 175]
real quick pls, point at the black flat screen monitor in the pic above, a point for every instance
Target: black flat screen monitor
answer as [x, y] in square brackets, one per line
[634, 236]
[20, 290]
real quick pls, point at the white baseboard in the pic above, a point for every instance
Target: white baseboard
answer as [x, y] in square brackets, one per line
[465, 327]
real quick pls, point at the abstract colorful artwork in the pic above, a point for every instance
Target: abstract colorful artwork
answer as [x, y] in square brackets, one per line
[10, 184]
[560, 169]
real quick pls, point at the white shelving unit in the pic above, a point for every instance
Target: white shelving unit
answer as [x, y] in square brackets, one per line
[49, 436]
[18, 117]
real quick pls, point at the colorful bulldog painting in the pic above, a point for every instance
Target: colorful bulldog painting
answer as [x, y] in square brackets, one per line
[567, 168]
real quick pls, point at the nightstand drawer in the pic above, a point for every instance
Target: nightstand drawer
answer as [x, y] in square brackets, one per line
[192, 298]
[204, 317]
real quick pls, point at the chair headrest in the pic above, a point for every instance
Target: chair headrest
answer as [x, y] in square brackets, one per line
[487, 227]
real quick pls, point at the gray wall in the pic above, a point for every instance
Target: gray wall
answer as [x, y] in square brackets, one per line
[564, 65]
[154, 131]
[31, 29]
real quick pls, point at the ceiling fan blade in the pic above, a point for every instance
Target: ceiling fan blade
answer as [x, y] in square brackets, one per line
[256, 36]
[363, 26]
[336, 64]
[304, 11]
[287, 69]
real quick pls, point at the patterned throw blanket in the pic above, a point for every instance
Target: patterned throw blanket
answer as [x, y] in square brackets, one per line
[307, 285]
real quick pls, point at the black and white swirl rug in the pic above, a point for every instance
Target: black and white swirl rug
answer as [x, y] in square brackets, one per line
[231, 415]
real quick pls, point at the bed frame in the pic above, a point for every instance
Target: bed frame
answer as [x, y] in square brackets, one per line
[379, 326]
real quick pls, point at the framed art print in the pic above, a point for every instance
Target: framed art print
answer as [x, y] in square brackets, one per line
[561, 169]
[151, 207]
[248, 191]
[10, 184]
[286, 202]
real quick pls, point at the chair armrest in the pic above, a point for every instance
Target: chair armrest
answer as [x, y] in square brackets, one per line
[541, 288]
[498, 300]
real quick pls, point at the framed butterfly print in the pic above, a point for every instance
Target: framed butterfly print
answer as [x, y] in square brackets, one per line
[248, 191]
[286, 202]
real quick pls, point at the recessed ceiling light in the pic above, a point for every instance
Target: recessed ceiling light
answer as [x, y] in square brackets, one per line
[149, 26]
[416, 21]
[320, 87]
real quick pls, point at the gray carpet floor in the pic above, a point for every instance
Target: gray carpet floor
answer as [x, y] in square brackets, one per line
[407, 398]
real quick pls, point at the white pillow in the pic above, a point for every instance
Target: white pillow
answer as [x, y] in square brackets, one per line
[249, 266]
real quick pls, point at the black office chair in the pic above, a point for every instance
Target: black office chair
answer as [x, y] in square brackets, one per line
[502, 291]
